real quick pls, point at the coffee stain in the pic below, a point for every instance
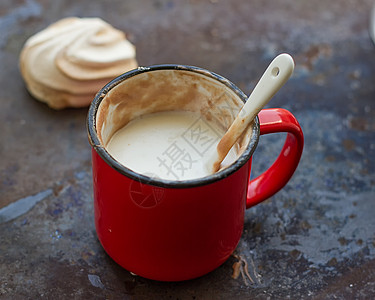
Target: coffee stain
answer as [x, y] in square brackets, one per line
[169, 90]
[295, 254]
[241, 267]
[360, 124]
[236, 269]
[343, 241]
[314, 53]
[332, 262]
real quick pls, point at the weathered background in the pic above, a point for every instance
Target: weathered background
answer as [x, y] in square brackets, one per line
[314, 239]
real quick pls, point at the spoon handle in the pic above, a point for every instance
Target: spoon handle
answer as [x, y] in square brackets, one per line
[275, 76]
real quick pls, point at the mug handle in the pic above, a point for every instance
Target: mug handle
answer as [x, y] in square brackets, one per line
[274, 120]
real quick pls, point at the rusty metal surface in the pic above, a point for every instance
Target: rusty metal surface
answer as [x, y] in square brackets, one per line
[313, 240]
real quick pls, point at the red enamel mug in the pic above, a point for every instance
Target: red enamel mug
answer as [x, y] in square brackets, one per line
[177, 230]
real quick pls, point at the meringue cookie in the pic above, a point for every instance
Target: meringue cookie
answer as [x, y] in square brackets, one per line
[66, 64]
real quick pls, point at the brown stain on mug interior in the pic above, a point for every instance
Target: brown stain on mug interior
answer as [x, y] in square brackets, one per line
[168, 90]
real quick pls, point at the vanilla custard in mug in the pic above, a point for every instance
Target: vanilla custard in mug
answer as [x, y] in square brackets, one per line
[172, 145]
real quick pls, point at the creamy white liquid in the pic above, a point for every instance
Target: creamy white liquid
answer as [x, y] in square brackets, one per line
[173, 145]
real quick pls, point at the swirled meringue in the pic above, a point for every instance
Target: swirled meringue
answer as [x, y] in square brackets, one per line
[65, 64]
